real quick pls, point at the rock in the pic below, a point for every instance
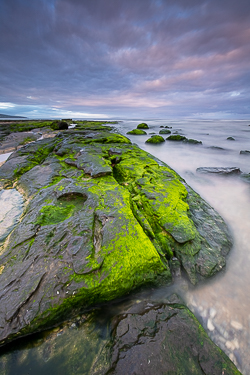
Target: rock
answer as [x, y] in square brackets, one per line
[220, 170]
[178, 138]
[181, 138]
[165, 131]
[216, 148]
[137, 132]
[245, 152]
[142, 126]
[193, 141]
[245, 177]
[162, 339]
[236, 325]
[230, 138]
[155, 139]
[168, 127]
[210, 325]
[105, 219]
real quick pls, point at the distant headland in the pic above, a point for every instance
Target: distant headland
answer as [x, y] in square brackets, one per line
[8, 116]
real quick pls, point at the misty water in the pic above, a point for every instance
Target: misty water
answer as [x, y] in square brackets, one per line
[222, 304]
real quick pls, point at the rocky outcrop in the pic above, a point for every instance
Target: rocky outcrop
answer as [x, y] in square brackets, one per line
[160, 339]
[102, 218]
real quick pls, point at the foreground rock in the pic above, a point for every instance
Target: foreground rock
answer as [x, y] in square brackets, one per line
[103, 217]
[220, 170]
[161, 339]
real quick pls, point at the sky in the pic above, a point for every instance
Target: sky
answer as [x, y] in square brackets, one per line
[125, 58]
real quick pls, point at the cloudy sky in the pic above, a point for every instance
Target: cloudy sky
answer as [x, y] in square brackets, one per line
[125, 58]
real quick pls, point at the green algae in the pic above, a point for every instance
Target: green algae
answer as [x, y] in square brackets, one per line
[143, 125]
[176, 137]
[137, 132]
[128, 222]
[155, 139]
[165, 131]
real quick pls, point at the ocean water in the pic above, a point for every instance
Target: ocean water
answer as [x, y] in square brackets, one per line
[222, 304]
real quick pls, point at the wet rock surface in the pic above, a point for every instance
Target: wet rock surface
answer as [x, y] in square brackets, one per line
[161, 339]
[104, 218]
[220, 170]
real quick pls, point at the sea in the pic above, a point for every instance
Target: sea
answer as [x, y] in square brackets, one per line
[221, 304]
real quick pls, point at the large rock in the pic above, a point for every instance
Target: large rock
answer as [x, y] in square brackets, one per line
[104, 218]
[160, 339]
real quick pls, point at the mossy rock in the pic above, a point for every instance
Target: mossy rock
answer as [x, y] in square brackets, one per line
[165, 131]
[143, 125]
[177, 137]
[137, 132]
[192, 141]
[155, 139]
[104, 219]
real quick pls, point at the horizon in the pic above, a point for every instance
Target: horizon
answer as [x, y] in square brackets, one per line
[134, 59]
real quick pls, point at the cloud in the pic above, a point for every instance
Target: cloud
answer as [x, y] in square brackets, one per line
[114, 55]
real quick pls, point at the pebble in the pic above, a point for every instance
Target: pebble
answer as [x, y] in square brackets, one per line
[210, 325]
[230, 345]
[212, 312]
[236, 325]
[233, 359]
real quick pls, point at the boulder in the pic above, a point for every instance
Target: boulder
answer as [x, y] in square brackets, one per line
[137, 132]
[155, 139]
[245, 152]
[106, 218]
[143, 125]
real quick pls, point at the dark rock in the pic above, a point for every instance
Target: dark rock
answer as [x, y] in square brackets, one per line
[245, 152]
[245, 177]
[178, 138]
[155, 139]
[168, 127]
[192, 141]
[164, 131]
[142, 126]
[219, 170]
[160, 339]
[216, 148]
[230, 138]
[105, 218]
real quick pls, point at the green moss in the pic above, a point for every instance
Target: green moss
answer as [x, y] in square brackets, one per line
[155, 139]
[27, 140]
[176, 137]
[65, 207]
[143, 125]
[165, 131]
[137, 132]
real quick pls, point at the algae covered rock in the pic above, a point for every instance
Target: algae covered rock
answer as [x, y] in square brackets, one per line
[137, 132]
[155, 139]
[106, 218]
[161, 339]
[176, 137]
[143, 125]
[165, 131]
